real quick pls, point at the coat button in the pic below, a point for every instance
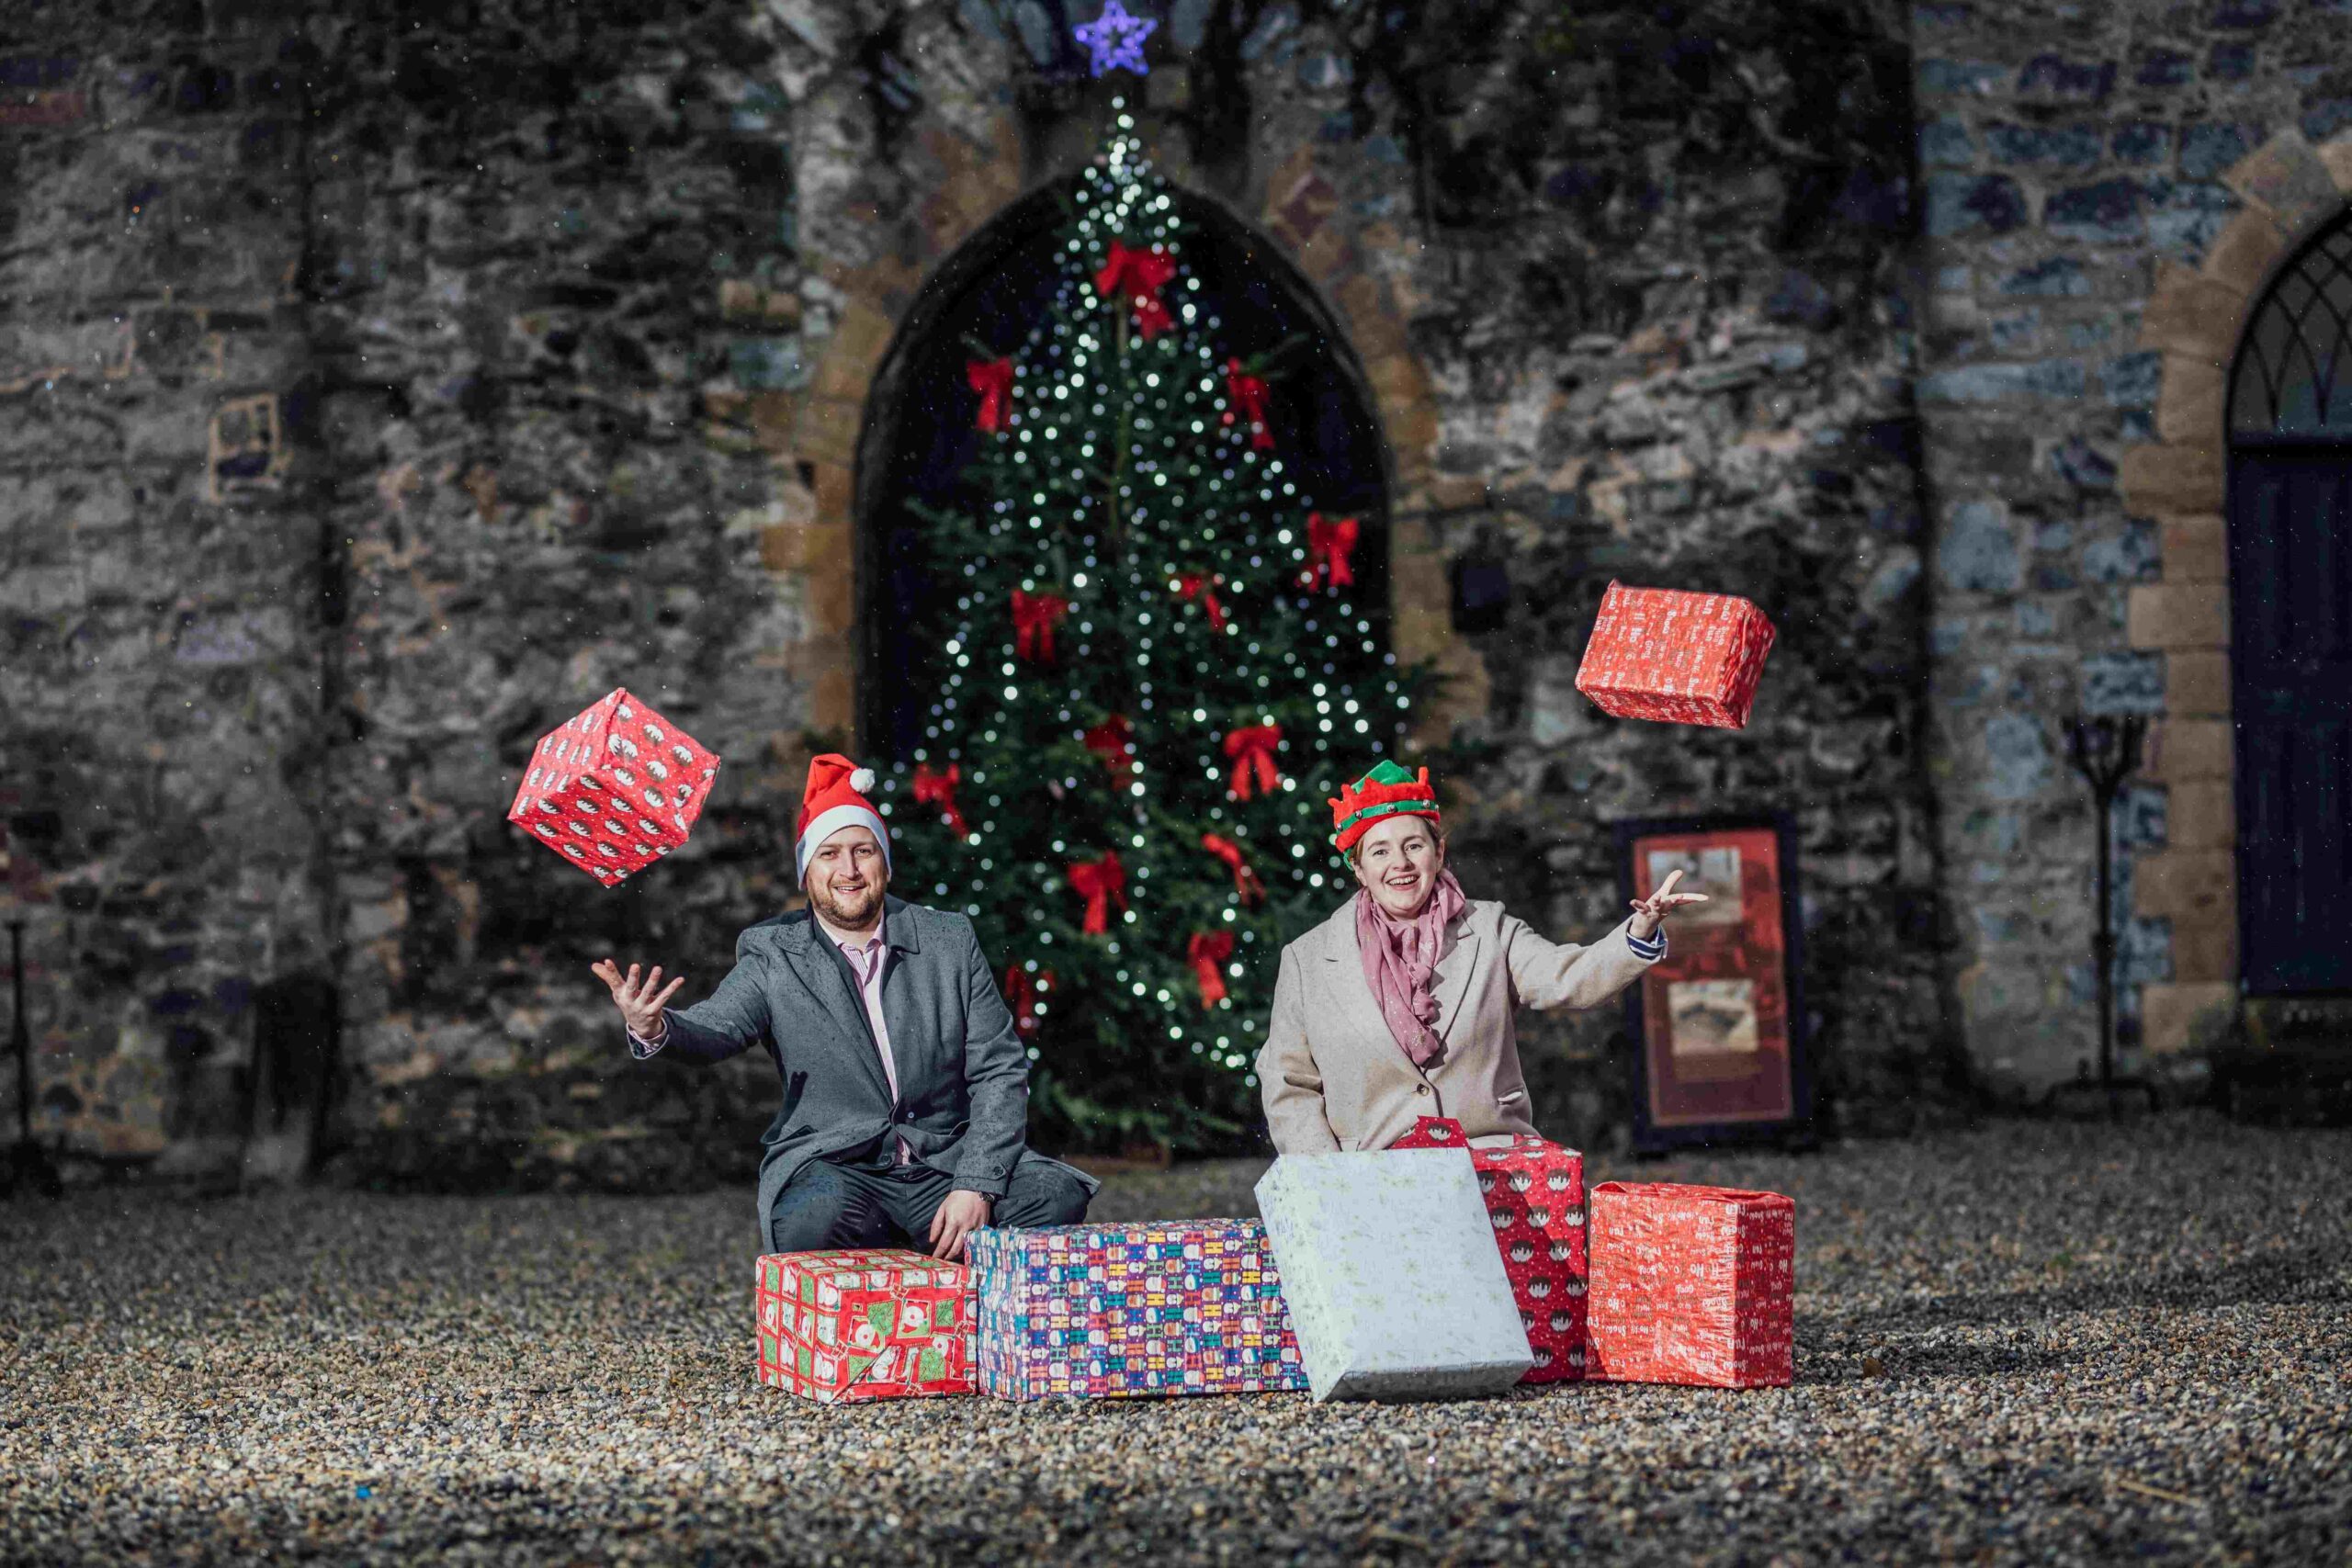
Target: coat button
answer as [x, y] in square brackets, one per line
[1420, 1088]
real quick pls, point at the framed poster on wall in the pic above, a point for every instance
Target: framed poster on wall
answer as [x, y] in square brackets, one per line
[1717, 1025]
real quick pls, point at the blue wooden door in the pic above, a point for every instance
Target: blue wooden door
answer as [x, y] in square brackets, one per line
[2291, 571]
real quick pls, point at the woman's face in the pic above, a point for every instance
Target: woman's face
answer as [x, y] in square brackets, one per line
[1398, 863]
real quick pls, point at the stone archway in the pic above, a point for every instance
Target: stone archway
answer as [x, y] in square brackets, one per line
[973, 168]
[2195, 317]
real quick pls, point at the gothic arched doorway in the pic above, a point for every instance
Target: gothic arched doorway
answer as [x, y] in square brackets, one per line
[919, 436]
[2290, 424]
[1124, 587]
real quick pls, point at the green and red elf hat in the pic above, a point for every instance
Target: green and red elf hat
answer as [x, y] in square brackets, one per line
[1386, 791]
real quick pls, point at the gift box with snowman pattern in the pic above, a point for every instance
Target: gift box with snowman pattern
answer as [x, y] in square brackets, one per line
[615, 789]
[879, 1323]
[1534, 1193]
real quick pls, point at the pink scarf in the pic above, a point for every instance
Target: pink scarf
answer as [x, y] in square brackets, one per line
[1400, 964]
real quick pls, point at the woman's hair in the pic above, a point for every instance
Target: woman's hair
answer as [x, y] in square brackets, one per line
[1436, 830]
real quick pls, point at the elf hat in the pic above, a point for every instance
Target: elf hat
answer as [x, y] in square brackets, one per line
[1386, 791]
[834, 799]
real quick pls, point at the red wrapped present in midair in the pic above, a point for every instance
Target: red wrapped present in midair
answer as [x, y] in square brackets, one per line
[1534, 1193]
[1691, 1285]
[1680, 658]
[615, 789]
[879, 1323]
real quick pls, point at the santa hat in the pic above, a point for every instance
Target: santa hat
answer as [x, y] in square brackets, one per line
[834, 799]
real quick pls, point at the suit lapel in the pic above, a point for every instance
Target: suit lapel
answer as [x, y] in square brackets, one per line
[1342, 951]
[907, 1037]
[1453, 981]
[807, 950]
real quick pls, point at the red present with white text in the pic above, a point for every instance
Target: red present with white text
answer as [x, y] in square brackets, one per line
[1691, 1285]
[879, 1323]
[1534, 1193]
[1660, 653]
[615, 789]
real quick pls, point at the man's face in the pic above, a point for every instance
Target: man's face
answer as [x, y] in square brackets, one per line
[847, 876]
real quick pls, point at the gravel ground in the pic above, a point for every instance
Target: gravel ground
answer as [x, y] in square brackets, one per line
[2026, 1343]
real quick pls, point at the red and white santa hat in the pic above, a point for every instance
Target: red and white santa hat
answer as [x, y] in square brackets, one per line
[834, 799]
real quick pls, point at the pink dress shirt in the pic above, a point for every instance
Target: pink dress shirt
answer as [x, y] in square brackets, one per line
[866, 963]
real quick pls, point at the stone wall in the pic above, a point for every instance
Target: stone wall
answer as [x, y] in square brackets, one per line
[159, 570]
[2102, 192]
[500, 363]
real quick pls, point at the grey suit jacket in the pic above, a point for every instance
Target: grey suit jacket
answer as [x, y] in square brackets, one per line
[963, 1101]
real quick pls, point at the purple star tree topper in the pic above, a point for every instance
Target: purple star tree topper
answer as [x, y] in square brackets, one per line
[1115, 40]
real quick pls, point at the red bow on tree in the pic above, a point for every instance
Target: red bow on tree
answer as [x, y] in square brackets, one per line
[1330, 548]
[1207, 953]
[1097, 882]
[1021, 992]
[1193, 586]
[1035, 615]
[992, 378]
[1113, 741]
[939, 789]
[1247, 393]
[1251, 752]
[1246, 886]
[1139, 275]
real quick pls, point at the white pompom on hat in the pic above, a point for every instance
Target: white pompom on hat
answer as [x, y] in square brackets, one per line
[834, 799]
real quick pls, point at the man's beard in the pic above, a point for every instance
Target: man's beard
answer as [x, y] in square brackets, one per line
[853, 911]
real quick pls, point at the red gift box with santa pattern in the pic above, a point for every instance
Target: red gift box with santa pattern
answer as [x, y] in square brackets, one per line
[879, 1323]
[1534, 1192]
[1660, 653]
[615, 789]
[1691, 1285]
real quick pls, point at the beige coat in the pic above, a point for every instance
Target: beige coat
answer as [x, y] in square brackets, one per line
[1333, 1076]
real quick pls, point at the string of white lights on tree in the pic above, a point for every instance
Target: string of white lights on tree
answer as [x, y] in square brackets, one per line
[1152, 672]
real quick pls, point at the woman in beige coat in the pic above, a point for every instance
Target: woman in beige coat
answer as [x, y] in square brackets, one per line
[1399, 1006]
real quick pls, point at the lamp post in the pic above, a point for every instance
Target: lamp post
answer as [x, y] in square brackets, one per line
[2106, 751]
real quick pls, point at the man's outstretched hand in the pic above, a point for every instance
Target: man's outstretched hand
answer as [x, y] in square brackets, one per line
[958, 1217]
[641, 1005]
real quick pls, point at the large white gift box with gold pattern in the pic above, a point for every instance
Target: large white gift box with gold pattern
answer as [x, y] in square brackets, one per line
[1389, 1267]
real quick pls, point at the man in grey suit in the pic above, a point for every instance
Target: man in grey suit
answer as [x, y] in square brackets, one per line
[905, 1086]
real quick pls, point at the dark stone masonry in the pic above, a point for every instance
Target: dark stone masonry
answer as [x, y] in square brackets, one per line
[380, 384]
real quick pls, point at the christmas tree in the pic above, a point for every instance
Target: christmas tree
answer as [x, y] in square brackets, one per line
[1152, 668]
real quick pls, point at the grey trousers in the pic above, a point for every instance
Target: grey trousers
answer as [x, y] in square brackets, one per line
[867, 1202]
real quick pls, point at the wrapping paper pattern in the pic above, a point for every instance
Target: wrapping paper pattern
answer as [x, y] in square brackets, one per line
[1680, 658]
[1110, 1312]
[1534, 1194]
[615, 789]
[1395, 1284]
[853, 1325]
[1691, 1285]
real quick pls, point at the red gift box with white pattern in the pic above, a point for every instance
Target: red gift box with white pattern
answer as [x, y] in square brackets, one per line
[1660, 653]
[861, 1324]
[1691, 1285]
[1534, 1193]
[615, 789]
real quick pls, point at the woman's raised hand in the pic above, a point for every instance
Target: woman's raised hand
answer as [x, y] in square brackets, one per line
[1650, 911]
[641, 1005]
